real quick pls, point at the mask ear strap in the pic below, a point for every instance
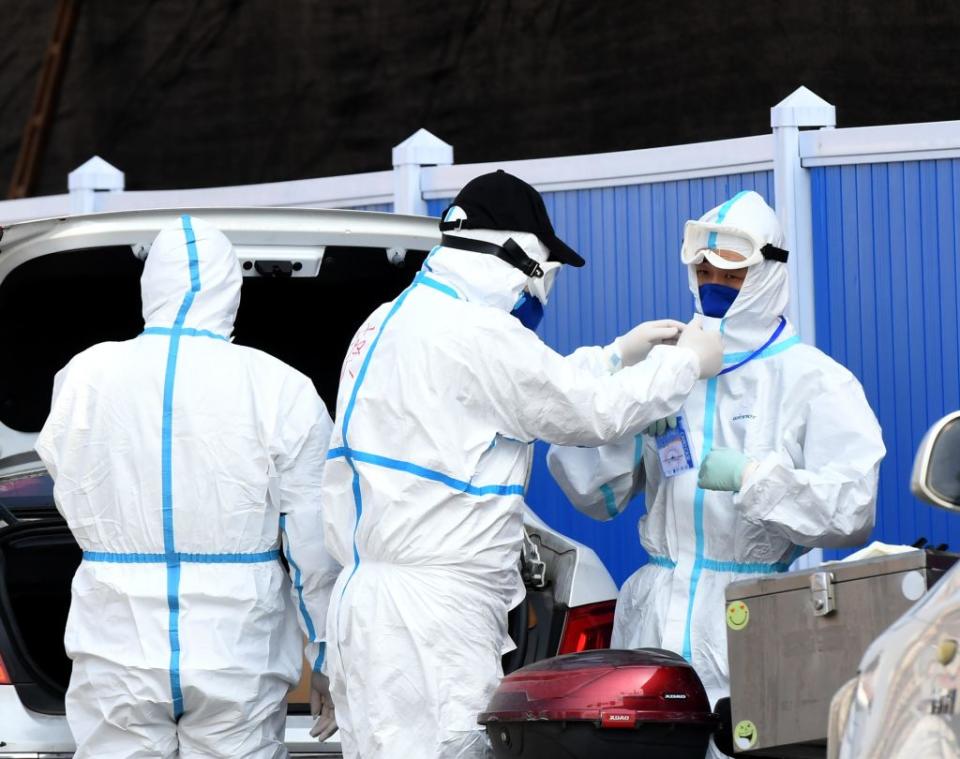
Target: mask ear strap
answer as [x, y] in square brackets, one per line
[509, 252]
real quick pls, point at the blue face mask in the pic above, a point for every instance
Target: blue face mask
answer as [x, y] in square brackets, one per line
[715, 300]
[528, 310]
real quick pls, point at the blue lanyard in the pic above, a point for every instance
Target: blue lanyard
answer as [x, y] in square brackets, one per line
[761, 349]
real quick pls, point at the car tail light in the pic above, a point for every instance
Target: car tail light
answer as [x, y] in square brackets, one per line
[587, 627]
[4, 675]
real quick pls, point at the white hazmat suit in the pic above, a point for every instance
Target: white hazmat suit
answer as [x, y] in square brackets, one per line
[441, 395]
[798, 414]
[179, 459]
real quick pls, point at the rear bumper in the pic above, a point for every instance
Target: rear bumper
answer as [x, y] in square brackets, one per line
[302, 745]
[28, 735]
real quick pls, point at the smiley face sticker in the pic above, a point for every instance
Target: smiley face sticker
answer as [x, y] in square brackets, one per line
[738, 615]
[745, 735]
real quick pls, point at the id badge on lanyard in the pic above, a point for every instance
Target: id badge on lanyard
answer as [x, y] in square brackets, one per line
[675, 451]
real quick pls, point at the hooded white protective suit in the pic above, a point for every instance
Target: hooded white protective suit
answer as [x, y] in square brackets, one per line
[441, 394]
[801, 416]
[178, 460]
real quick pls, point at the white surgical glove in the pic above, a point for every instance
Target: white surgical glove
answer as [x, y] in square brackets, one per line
[707, 345]
[321, 707]
[634, 346]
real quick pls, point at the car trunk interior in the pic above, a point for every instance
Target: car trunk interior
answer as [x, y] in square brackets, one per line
[37, 563]
[57, 305]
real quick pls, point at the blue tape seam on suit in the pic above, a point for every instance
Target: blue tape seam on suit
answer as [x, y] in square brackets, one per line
[184, 332]
[183, 558]
[701, 562]
[698, 499]
[609, 500]
[298, 584]
[424, 473]
[735, 567]
[171, 557]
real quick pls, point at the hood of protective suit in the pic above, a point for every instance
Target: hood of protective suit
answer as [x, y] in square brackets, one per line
[482, 278]
[762, 300]
[191, 260]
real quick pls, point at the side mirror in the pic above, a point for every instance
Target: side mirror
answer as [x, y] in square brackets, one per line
[936, 469]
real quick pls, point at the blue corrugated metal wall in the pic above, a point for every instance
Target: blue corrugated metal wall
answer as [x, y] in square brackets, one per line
[435, 207]
[630, 237]
[887, 272]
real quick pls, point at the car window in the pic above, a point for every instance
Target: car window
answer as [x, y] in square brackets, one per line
[23, 492]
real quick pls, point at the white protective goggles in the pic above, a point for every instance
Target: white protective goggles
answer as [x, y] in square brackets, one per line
[702, 240]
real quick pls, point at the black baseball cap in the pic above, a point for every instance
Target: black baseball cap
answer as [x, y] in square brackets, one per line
[501, 201]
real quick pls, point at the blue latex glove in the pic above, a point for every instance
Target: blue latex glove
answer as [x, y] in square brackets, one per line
[723, 469]
[660, 426]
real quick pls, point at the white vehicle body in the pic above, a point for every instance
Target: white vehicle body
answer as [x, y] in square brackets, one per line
[275, 245]
[903, 702]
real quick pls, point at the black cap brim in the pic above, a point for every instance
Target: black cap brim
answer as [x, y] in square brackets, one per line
[560, 251]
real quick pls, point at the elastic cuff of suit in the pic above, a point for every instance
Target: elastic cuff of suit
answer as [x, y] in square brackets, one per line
[318, 662]
[761, 492]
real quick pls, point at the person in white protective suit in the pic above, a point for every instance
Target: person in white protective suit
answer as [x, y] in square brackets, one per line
[179, 460]
[441, 395]
[777, 454]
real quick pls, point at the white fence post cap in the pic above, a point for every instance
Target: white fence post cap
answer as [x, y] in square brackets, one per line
[95, 174]
[423, 149]
[803, 108]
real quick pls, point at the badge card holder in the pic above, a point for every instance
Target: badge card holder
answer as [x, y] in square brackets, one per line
[674, 449]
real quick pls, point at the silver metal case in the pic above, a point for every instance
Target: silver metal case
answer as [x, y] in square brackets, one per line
[794, 639]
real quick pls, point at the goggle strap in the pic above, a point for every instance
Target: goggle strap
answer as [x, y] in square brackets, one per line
[773, 253]
[509, 252]
[447, 226]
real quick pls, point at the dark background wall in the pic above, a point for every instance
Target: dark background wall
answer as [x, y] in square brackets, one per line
[182, 93]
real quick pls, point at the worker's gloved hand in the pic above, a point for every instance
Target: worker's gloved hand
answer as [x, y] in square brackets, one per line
[725, 469]
[321, 707]
[707, 345]
[634, 346]
[661, 425]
